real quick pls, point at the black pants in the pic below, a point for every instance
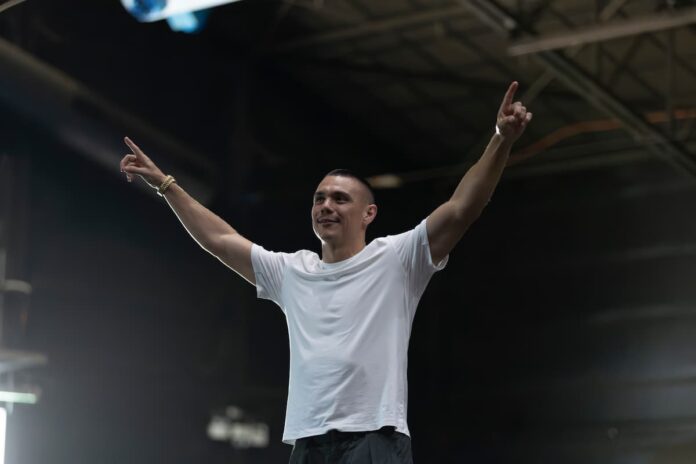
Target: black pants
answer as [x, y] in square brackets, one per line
[383, 446]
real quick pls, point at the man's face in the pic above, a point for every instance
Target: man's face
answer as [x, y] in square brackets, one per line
[341, 210]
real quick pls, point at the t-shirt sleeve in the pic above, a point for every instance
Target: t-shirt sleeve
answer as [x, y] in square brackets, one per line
[413, 249]
[269, 269]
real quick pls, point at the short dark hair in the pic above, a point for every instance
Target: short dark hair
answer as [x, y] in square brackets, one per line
[362, 180]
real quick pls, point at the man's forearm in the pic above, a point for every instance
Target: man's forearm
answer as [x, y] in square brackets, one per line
[447, 224]
[478, 184]
[205, 227]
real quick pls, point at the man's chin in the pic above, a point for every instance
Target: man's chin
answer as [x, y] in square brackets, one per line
[327, 236]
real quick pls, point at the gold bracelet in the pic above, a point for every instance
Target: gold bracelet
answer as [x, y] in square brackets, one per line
[169, 180]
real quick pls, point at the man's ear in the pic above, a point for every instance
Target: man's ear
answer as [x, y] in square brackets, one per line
[369, 214]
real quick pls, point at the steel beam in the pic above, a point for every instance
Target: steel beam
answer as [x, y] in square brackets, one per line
[606, 31]
[375, 27]
[533, 91]
[592, 91]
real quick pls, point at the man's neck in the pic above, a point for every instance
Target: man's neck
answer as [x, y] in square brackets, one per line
[333, 253]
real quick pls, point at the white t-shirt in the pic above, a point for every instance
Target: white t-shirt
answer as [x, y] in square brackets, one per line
[349, 325]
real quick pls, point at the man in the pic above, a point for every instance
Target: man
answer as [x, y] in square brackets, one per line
[349, 313]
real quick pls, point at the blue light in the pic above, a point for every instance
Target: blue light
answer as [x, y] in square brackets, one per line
[189, 23]
[155, 10]
[144, 9]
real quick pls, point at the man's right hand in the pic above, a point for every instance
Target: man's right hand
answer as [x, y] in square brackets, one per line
[138, 163]
[207, 229]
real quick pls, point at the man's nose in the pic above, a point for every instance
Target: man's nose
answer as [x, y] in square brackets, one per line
[326, 204]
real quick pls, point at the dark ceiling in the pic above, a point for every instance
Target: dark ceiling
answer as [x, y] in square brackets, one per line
[563, 329]
[422, 78]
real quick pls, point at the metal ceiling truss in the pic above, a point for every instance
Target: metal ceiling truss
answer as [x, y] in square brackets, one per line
[397, 24]
[558, 66]
[436, 63]
[577, 79]
[395, 113]
[533, 91]
[372, 27]
[409, 84]
[621, 66]
[428, 58]
[600, 32]
[685, 65]
[503, 69]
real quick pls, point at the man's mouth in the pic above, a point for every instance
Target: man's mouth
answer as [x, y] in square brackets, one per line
[327, 221]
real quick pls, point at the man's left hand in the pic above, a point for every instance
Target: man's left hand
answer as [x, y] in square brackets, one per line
[512, 117]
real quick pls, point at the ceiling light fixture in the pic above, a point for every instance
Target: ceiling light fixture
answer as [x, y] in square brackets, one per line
[182, 15]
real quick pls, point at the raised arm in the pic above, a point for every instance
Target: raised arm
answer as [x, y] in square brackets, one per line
[447, 224]
[212, 233]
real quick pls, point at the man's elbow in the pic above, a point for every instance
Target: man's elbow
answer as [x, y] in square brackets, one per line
[467, 213]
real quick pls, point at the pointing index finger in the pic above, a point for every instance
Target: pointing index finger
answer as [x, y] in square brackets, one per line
[136, 150]
[509, 95]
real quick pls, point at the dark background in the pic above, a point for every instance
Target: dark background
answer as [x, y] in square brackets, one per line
[562, 330]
